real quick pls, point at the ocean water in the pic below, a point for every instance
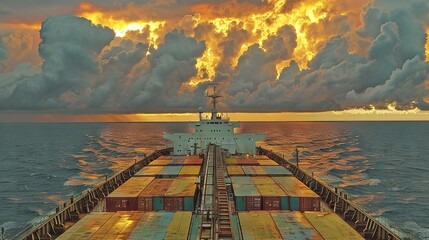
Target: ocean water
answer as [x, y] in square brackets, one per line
[383, 166]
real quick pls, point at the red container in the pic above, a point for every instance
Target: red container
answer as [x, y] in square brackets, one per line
[173, 204]
[270, 203]
[114, 204]
[144, 204]
[309, 204]
[253, 203]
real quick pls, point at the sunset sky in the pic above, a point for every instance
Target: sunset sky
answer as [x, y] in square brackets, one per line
[106, 60]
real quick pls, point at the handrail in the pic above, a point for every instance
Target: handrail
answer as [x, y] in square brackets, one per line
[86, 201]
[372, 225]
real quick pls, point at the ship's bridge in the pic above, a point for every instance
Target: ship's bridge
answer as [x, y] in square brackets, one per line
[214, 130]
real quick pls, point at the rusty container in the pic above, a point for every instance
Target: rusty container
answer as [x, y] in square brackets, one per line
[124, 198]
[273, 197]
[154, 193]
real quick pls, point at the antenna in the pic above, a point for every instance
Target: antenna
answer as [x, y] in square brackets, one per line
[214, 96]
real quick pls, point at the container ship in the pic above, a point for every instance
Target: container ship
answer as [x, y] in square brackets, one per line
[212, 184]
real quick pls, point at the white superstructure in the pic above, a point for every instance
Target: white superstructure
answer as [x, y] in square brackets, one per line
[217, 130]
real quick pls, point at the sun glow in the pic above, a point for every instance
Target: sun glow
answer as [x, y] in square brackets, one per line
[259, 25]
[427, 45]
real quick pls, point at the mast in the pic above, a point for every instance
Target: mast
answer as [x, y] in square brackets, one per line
[214, 98]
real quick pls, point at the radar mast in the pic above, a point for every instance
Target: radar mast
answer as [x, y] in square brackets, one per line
[214, 96]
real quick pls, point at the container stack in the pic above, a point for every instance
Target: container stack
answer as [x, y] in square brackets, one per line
[300, 196]
[131, 225]
[254, 166]
[125, 197]
[273, 193]
[294, 225]
[168, 183]
[246, 195]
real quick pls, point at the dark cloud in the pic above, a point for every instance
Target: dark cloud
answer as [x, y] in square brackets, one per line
[169, 66]
[4, 54]
[377, 61]
[69, 48]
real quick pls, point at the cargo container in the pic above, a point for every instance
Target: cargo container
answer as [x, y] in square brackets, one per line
[259, 171]
[261, 157]
[159, 162]
[169, 171]
[294, 226]
[152, 198]
[273, 197]
[193, 161]
[179, 226]
[276, 171]
[248, 171]
[331, 226]
[235, 170]
[258, 225]
[242, 180]
[124, 198]
[231, 161]
[148, 171]
[247, 197]
[195, 227]
[267, 163]
[119, 226]
[234, 160]
[86, 227]
[190, 170]
[180, 195]
[153, 225]
[300, 196]
[235, 227]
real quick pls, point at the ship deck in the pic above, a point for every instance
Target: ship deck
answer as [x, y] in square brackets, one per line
[215, 197]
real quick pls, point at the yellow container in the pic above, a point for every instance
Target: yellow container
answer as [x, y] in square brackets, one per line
[182, 187]
[179, 226]
[258, 170]
[235, 170]
[258, 225]
[331, 226]
[132, 187]
[159, 162]
[294, 187]
[231, 161]
[268, 162]
[86, 227]
[119, 226]
[149, 171]
[263, 180]
[261, 157]
[190, 170]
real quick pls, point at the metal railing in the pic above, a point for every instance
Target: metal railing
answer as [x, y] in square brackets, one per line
[69, 212]
[364, 223]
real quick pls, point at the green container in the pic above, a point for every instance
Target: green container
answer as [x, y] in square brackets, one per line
[195, 224]
[157, 203]
[235, 225]
[240, 203]
[242, 180]
[248, 170]
[169, 171]
[294, 203]
[227, 180]
[276, 171]
[284, 203]
[188, 204]
[153, 225]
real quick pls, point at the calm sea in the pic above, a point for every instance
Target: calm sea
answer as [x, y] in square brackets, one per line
[384, 166]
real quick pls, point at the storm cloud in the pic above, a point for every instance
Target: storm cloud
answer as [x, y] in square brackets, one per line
[264, 56]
